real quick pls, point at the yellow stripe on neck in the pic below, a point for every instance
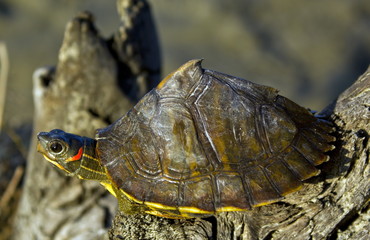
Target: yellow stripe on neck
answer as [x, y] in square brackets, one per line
[90, 157]
[92, 170]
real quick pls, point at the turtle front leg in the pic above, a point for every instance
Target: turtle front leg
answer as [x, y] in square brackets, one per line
[128, 206]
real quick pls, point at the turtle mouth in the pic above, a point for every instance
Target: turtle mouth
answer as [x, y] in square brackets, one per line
[41, 142]
[51, 160]
[39, 148]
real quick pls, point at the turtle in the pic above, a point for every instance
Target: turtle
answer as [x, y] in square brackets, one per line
[200, 143]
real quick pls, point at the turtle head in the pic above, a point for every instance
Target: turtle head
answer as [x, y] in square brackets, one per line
[62, 149]
[72, 153]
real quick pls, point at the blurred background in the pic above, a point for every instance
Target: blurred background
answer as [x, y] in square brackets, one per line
[309, 50]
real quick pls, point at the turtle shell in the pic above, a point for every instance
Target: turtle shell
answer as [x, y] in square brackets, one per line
[205, 142]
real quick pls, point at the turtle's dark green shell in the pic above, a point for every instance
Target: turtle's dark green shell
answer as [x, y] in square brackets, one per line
[204, 142]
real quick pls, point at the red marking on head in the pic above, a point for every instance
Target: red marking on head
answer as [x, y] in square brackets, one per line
[76, 157]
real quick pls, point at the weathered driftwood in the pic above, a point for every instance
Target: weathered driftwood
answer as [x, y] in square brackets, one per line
[94, 83]
[333, 205]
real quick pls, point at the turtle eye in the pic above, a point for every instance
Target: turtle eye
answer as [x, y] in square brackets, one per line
[56, 147]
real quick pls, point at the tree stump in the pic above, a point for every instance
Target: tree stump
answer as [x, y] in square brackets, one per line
[95, 82]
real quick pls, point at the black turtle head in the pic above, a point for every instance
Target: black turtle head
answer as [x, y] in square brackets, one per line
[62, 149]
